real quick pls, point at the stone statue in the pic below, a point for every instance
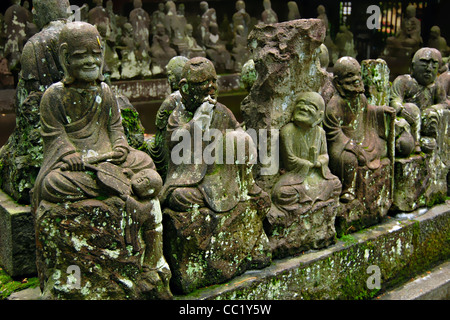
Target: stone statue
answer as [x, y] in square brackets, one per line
[190, 47]
[327, 89]
[268, 16]
[161, 51]
[241, 17]
[159, 149]
[306, 184]
[418, 98]
[140, 20]
[112, 61]
[438, 42]
[293, 13]
[208, 16]
[98, 15]
[158, 17]
[216, 50]
[303, 148]
[344, 43]
[240, 51]
[21, 156]
[15, 19]
[174, 25]
[129, 65]
[354, 132]
[87, 156]
[409, 34]
[322, 15]
[215, 195]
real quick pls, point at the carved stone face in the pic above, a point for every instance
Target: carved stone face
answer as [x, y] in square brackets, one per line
[309, 110]
[146, 183]
[425, 66]
[199, 82]
[348, 80]
[81, 52]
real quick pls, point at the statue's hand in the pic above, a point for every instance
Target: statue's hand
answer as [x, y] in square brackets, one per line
[73, 162]
[119, 155]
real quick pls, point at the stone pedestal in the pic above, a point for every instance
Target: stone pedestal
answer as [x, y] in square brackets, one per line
[205, 248]
[17, 240]
[314, 229]
[372, 203]
[87, 250]
[420, 180]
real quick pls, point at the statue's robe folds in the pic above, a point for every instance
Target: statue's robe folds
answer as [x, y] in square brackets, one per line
[213, 185]
[93, 129]
[302, 184]
[349, 123]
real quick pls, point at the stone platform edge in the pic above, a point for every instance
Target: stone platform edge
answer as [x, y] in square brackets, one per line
[391, 253]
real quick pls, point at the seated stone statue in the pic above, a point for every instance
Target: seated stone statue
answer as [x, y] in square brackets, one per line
[209, 199]
[438, 42]
[240, 50]
[344, 42]
[189, 47]
[354, 129]
[303, 148]
[159, 149]
[268, 16]
[216, 50]
[409, 34]
[87, 156]
[161, 51]
[418, 98]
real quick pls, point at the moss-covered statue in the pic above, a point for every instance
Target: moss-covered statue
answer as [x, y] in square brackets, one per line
[418, 97]
[95, 197]
[358, 146]
[307, 184]
[213, 221]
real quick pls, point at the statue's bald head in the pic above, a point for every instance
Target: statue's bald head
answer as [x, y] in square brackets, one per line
[76, 33]
[46, 11]
[346, 65]
[199, 69]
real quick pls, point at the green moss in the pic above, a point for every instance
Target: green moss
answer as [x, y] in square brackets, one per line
[8, 285]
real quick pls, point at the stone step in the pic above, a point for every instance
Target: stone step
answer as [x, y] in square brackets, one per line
[431, 285]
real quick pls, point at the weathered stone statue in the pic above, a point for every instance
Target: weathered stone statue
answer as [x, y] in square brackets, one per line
[190, 47]
[409, 34]
[21, 156]
[307, 187]
[418, 98]
[159, 149]
[268, 15]
[241, 17]
[357, 145]
[438, 42]
[129, 66]
[91, 179]
[422, 102]
[344, 42]
[213, 221]
[99, 15]
[15, 19]
[208, 16]
[327, 89]
[322, 15]
[174, 25]
[240, 51]
[293, 13]
[140, 20]
[161, 51]
[112, 61]
[158, 17]
[216, 50]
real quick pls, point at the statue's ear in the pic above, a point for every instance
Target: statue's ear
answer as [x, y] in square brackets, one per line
[320, 115]
[64, 61]
[183, 87]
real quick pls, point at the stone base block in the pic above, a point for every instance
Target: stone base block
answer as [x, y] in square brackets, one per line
[314, 229]
[85, 251]
[205, 248]
[419, 181]
[373, 200]
[17, 239]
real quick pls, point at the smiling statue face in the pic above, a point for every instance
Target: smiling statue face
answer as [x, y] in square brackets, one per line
[81, 52]
[146, 184]
[308, 110]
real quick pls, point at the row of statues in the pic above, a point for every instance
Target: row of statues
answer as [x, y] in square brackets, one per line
[144, 223]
